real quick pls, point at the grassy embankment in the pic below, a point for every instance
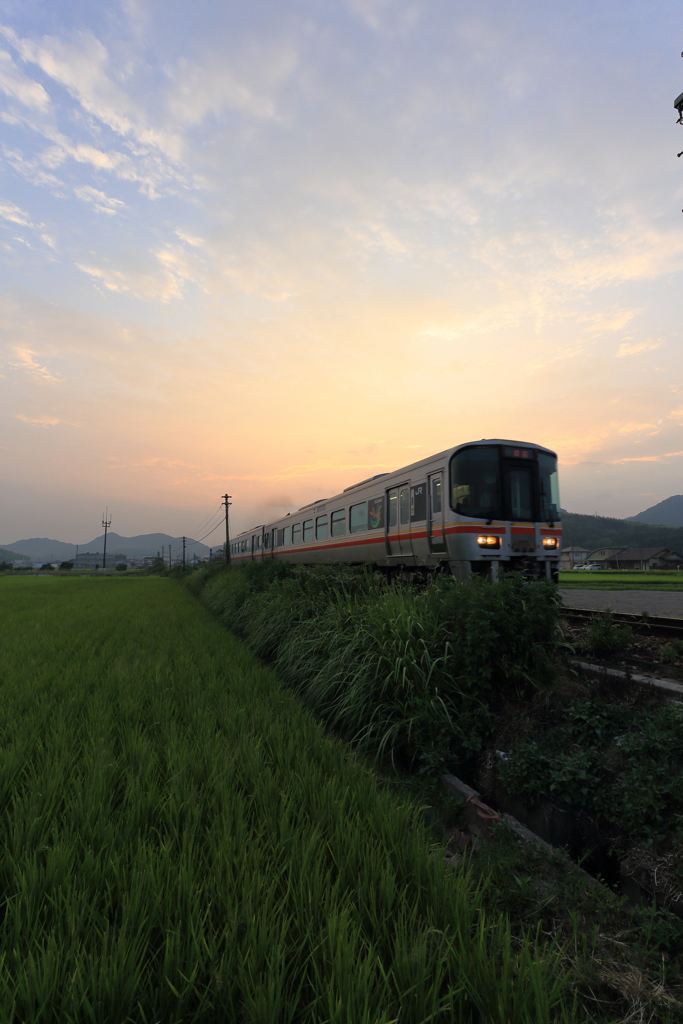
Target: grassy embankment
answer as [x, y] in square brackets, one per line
[449, 675]
[182, 842]
[604, 579]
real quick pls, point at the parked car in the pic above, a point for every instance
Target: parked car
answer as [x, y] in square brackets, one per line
[587, 568]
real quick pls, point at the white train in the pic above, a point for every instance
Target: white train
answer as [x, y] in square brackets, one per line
[472, 508]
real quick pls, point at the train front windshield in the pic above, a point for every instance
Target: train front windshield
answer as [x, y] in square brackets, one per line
[492, 482]
[549, 487]
[476, 484]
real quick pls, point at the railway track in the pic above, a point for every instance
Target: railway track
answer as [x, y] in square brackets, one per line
[647, 625]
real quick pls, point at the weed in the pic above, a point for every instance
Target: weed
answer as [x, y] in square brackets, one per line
[604, 637]
[670, 653]
[406, 674]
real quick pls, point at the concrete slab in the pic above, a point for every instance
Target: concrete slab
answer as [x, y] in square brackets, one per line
[669, 602]
[672, 685]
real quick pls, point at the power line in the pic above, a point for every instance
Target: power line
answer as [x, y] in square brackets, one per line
[208, 519]
[216, 515]
[212, 530]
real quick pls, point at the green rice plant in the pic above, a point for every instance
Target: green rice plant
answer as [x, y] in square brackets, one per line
[183, 843]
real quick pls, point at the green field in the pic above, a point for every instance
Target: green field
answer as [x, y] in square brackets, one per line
[622, 580]
[182, 842]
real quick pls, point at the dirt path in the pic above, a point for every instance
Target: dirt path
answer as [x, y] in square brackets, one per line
[668, 603]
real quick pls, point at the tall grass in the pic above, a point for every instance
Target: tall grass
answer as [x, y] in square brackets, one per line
[181, 841]
[405, 673]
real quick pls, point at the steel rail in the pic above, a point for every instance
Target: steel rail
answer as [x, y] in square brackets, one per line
[649, 625]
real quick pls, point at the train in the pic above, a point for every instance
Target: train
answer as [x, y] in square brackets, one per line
[477, 508]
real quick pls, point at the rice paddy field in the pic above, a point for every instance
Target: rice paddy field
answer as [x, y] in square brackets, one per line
[604, 579]
[181, 841]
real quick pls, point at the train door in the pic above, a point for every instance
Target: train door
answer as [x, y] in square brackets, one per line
[403, 527]
[398, 521]
[435, 522]
[391, 522]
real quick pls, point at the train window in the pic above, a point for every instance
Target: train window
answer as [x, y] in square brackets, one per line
[436, 495]
[266, 541]
[321, 528]
[521, 493]
[549, 485]
[287, 535]
[338, 523]
[280, 538]
[475, 483]
[308, 529]
[393, 508]
[296, 533]
[418, 503]
[405, 504]
[376, 513]
[358, 517]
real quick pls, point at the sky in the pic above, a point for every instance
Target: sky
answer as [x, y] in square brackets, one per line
[273, 247]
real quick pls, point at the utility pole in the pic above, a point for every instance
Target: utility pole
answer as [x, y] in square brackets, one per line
[163, 557]
[183, 554]
[227, 503]
[170, 558]
[106, 523]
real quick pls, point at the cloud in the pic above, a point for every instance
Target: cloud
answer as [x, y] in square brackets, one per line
[628, 348]
[19, 86]
[102, 202]
[11, 212]
[647, 458]
[161, 283]
[40, 421]
[614, 323]
[25, 359]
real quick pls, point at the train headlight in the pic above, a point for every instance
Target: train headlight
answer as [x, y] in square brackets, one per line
[488, 542]
[550, 542]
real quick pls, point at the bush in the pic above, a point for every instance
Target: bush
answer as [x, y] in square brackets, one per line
[604, 637]
[621, 761]
[403, 673]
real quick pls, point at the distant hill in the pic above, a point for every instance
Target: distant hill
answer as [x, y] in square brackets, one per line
[665, 513]
[600, 531]
[43, 549]
[11, 556]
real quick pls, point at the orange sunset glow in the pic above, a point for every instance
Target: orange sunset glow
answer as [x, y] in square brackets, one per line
[272, 249]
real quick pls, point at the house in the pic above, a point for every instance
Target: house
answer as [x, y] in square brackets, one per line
[88, 560]
[572, 556]
[605, 557]
[645, 558]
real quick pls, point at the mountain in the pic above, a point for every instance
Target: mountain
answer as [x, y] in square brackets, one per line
[593, 532]
[665, 513]
[11, 556]
[43, 549]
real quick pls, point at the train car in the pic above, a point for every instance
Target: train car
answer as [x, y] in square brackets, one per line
[475, 508]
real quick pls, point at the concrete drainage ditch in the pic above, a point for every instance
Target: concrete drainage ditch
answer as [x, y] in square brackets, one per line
[567, 834]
